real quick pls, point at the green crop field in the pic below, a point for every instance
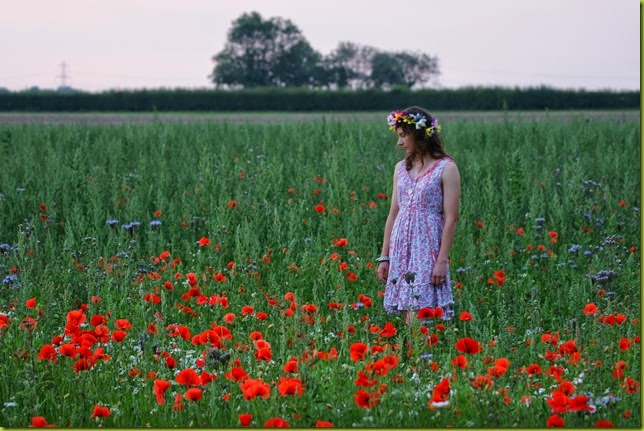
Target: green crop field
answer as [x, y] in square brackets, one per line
[219, 274]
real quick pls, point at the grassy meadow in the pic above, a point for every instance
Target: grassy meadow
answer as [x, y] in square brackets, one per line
[219, 274]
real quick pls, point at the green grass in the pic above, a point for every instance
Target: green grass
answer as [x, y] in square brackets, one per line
[252, 190]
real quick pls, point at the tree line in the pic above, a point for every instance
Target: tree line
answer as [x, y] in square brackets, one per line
[302, 99]
[274, 53]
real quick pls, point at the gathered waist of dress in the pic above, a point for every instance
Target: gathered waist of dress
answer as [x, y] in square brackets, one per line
[430, 212]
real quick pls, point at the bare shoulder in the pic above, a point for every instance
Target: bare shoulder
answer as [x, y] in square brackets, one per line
[450, 172]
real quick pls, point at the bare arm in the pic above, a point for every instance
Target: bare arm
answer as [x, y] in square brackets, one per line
[383, 267]
[451, 196]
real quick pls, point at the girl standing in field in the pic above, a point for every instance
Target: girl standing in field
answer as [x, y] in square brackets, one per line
[420, 228]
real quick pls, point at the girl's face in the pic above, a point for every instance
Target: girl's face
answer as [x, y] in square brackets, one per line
[405, 140]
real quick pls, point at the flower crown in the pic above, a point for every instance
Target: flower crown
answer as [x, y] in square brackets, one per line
[398, 118]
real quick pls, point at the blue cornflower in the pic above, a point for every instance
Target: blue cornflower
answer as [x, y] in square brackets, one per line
[112, 223]
[5, 248]
[131, 226]
[155, 223]
[575, 248]
[11, 278]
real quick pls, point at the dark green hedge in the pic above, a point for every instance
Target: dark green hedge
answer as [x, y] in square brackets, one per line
[288, 99]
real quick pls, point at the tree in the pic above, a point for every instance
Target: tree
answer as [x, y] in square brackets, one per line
[260, 52]
[390, 69]
[417, 68]
[386, 71]
[354, 66]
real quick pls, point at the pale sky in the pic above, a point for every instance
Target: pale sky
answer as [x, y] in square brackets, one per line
[134, 44]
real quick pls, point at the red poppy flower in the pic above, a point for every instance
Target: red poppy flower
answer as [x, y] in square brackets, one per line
[500, 367]
[465, 316]
[566, 387]
[31, 303]
[69, 349]
[4, 321]
[47, 353]
[618, 369]
[203, 241]
[365, 300]
[290, 386]
[276, 423]
[342, 242]
[193, 394]
[178, 403]
[170, 362]
[482, 382]
[440, 395]
[152, 298]
[264, 354]
[160, 386]
[323, 424]
[290, 366]
[207, 337]
[567, 348]
[389, 330]
[366, 400]
[555, 372]
[188, 377]
[533, 369]
[579, 403]
[558, 402]
[630, 385]
[590, 309]
[244, 419]
[499, 277]
[624, 344]
[357, 351]
[555, 421]
[118, 336]
[468, 345]
[253, 388]
[101, 412]
[310, 308]
[219, 277]
[460, 361]
[123, 324]
[364, 381]
[40, 422]
[237, 374]
[28, 324]
[319, 208]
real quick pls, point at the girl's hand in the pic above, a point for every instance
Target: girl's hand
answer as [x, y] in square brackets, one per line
[383, 271]
[439, 274]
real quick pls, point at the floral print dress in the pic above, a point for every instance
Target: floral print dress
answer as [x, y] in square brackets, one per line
[415, 242]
